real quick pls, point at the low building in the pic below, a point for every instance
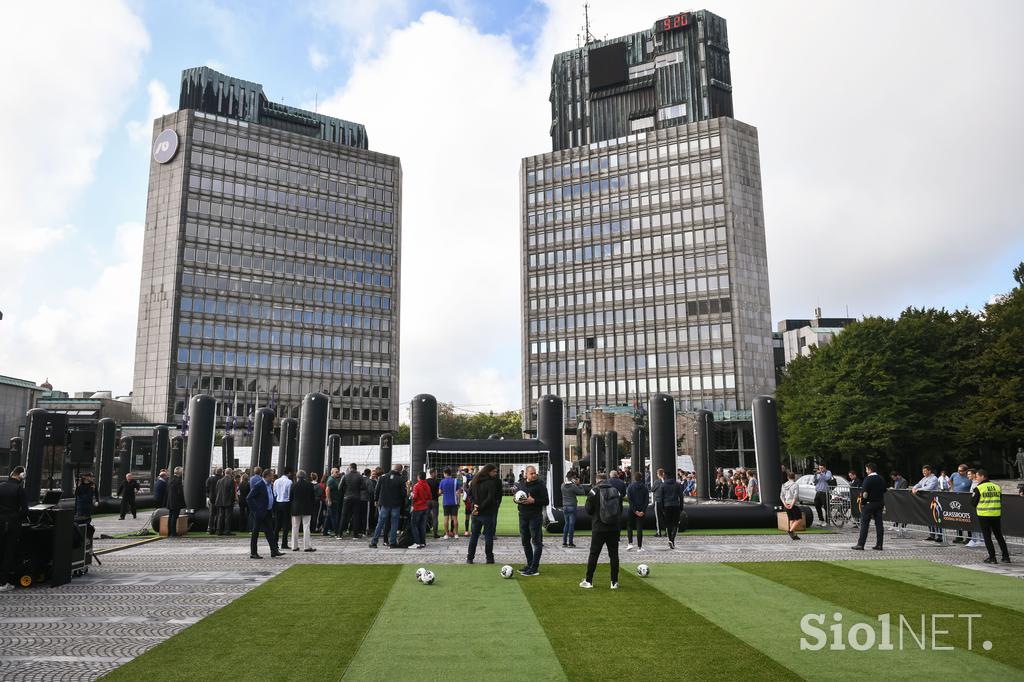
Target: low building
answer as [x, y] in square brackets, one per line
[17, 396]
[799, 336]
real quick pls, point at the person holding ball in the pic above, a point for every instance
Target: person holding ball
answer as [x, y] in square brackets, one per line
[531, 519]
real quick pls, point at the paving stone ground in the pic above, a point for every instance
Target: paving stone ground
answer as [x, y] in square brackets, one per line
[144, 594]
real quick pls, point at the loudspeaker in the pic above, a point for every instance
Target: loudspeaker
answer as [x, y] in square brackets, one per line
[56, 428]
[80, 447]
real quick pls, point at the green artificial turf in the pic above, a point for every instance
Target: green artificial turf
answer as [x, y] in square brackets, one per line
[873, 595]
[987, 587]
[699, 621]
[635, 632]
[766, 615]
[469, 625]
[278, 631]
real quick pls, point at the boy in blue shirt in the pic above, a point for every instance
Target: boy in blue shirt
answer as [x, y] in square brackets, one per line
[449, 487]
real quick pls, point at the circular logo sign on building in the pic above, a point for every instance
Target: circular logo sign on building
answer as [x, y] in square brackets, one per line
[165, 146]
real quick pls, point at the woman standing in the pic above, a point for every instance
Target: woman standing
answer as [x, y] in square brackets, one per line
[571, 489]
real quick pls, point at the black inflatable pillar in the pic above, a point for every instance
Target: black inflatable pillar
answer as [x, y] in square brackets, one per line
[227, 450]
[596, 456]
[177, 454]
[263, 439]
[611, 450]
[703, 449]
[313, 431]
[17, 453]
[161, 452]
[386, 441]
[662, 416]
[766, 449]
[288, 448]
[125, 462]
[551, 432]
[334, 451]
[106, 437]
[199, 450]
[423, 431]
[35, 445]
[639, 452]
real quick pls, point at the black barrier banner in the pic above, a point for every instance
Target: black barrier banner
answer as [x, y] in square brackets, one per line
[951, 511]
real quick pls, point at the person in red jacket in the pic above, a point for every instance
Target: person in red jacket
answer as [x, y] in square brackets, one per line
[421, 496]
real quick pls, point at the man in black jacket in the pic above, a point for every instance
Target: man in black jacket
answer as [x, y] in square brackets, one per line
[244, 486]
[211, 496]
[126, 491]
[352, 486]
[304, 495]
[224, 501]
[175, 501]
[873, 502]
[531, 520]
[484, 492]
[390, 499]
[670, 497]
[13, 510]
[604, 506]
[160, 489]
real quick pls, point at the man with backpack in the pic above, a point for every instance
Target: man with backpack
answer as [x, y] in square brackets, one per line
[670, 498]
[390, 493]
[604, 506]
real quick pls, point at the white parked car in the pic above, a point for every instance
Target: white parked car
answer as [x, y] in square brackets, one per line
[805, 490]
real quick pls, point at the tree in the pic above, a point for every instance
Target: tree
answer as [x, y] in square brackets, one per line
[931, 386]
[453, 424]
[402, 435]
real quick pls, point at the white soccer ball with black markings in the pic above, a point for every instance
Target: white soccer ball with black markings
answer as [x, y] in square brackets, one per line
[427, 578]
[643, 571]
[520, 496]
[507, 571]
[419, 572]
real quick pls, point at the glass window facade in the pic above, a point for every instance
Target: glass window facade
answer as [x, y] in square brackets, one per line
[279, 256]
[644, 271]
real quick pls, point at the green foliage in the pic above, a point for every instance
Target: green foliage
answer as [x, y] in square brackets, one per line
[402, 435]
[930, 386]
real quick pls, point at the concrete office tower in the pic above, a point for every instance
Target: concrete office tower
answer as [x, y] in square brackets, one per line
[270, 263]
[644, 266]
[675, 72]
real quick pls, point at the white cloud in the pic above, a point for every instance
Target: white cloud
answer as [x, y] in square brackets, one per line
[317, 59]
[460, 109]
[86, 339]
[362, 24]
[888, 180]
[159, 104]
[66, 96]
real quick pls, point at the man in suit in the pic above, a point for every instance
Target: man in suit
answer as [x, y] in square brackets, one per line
[261, 513]
[872, 501]
[352, 487]
[175, 501]
[211, 495]
[126, 491]
[243, 492]
[224, 499]
[160, 489]
[304, 495]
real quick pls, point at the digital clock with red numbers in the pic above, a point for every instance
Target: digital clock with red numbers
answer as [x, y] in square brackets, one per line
[672, 23]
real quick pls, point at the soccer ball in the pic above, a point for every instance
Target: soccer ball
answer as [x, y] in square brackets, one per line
[506, 571]
[419, 572]
[519, 496]
[643, 571]
[427, 578]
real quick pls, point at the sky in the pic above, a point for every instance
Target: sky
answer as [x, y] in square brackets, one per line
[889, 139]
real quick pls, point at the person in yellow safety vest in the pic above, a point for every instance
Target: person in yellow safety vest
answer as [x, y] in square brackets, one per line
[987, 499]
